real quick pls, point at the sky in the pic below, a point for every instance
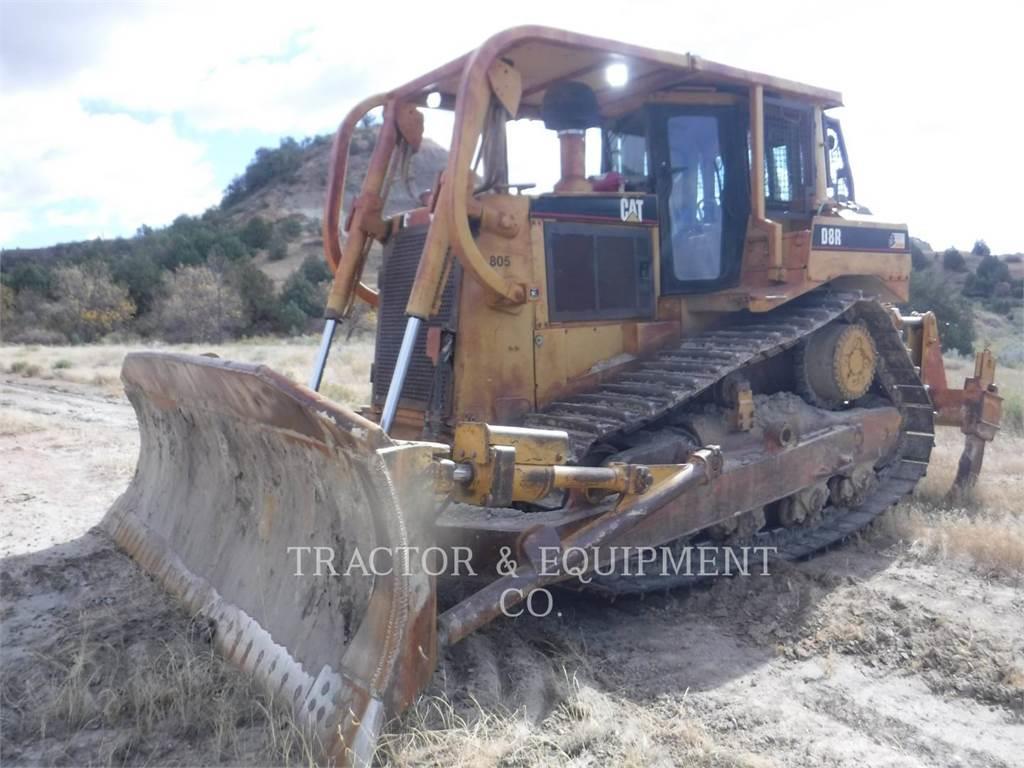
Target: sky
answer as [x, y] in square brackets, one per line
[118, 114]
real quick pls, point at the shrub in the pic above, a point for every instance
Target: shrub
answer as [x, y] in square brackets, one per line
[1013, 414]
[61, 364]
[278, 249]
[89, 304]
[315, 269]
[28, 370]
[139, 272]
[28, 275]
[290, 228]
[257, 233]
[953, 260]
[990, 272]
[199, 305]
[981, 248]
[7, 299]
[918, 259]
[305, 295]
[1003, 306]
[928, 291]
[266, 166]
[37, 335]
[292, 319]
[256, 290]
[178, 250]
[228, 246]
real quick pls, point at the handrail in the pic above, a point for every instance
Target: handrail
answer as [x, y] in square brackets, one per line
[471, 104]
[331, 228]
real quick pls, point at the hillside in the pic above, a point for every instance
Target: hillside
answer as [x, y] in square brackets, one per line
[301, 196]
[254, 262]
[253, 265]
[296, 192]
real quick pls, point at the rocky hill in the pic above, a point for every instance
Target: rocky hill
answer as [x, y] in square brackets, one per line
[289, 185]
[299, 196]
[251, 265]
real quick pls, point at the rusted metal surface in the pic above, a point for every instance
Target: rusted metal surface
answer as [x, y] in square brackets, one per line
[365, 220]
[506, 591]
[678, 374]
[794, 453]
[546, 55]
[336, 190]
[756, 478]
[976, 408]
[236, 465]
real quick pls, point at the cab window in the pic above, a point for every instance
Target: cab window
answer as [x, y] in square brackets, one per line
[695, 197]
[788, 162]
[703, 191]
[839, 177]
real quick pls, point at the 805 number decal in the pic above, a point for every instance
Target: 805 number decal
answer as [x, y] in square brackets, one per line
[500, 261]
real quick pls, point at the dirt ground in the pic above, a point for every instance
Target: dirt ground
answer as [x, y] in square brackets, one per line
[902, 648]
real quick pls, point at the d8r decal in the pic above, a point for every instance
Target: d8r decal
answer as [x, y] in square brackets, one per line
[831, 236]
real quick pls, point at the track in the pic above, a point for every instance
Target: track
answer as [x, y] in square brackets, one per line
[673, 379]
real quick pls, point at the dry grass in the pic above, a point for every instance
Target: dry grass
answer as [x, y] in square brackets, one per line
[985, 528]
[589, 727]
[346, 379]
[14, 423]
[145, 699]
[153, 700]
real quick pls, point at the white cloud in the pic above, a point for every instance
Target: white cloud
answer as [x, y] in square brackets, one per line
[12, 224]
[106, 172]
[929, 120]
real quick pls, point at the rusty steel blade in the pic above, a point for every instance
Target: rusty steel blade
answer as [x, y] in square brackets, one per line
[236, 465]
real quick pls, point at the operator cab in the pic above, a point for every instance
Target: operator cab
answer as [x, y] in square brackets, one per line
[694, 159]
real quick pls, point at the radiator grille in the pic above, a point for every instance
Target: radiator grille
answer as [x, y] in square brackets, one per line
[400, 259]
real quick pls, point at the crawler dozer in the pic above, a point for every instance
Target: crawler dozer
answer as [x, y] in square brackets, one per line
[695, 343]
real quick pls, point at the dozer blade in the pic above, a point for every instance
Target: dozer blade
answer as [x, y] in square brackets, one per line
[238, 467]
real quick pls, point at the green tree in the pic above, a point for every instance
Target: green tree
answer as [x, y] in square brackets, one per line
[7, 297]
[292, 319]
[981, 248]
[229, 246]
[140, 273]
[917, 257]
[261, 304]
[267, 165]
[315, 269]
[953, 260]
[31, 276]
[88, 303]
[929, 292]
[278, 248]
[291, 227]
[256, 233]
[308, 297]
[198, 305]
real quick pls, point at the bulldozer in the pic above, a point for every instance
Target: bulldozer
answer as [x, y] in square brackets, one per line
[698, 345]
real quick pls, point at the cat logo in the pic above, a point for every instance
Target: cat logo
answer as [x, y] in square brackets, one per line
[631, 209]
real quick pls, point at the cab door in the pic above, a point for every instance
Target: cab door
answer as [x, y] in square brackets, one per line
[702, 184]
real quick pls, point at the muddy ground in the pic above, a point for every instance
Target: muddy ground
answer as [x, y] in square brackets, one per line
[875, 654]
